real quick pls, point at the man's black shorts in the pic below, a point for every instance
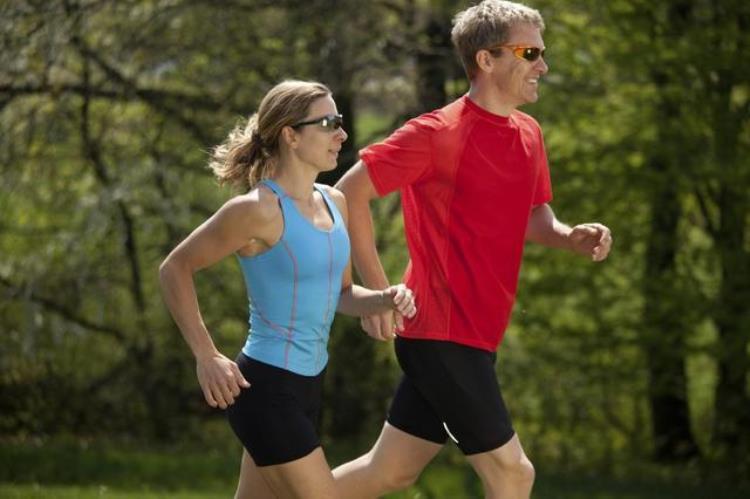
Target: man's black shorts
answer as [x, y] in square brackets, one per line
[276, 418]
[450, 390]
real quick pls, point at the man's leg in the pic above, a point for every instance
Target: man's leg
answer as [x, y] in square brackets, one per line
[308, 477]
[411, 437]
[461, 384]
[506, 472]
[393, 463]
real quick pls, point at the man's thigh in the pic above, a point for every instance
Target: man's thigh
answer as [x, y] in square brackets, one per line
[400, 450]
[459, 389]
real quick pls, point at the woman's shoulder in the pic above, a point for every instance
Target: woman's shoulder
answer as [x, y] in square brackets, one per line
[260, 204]
[332, 192]
[336, 196]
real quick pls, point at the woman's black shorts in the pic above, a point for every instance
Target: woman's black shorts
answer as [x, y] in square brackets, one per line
[450, 390]
[276, 418]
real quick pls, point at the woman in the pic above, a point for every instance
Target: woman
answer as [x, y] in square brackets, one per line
[289, 235]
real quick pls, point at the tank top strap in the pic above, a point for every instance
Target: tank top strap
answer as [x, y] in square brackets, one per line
[276, 188]
[332, 208]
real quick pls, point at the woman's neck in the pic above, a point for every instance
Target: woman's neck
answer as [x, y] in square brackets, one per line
[296, 182]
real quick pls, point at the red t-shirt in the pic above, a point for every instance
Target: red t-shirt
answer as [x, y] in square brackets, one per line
[468, 180]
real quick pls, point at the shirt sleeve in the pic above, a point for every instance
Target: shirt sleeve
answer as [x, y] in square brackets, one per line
[543, 188]
[401, 159]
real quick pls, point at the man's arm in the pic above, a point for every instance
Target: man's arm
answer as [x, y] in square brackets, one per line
[589, 239]
[359, 191]
[360, 301]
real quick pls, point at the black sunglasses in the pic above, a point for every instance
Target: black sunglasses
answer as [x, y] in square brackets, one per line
[525, 52]
[329, 122]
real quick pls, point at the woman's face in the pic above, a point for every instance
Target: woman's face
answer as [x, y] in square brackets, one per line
[320, 137]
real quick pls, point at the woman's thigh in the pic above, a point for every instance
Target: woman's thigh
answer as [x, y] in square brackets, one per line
[307, 477]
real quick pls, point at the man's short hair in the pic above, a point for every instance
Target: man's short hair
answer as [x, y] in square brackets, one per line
[488, 24]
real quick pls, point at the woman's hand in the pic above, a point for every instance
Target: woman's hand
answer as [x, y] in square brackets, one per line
[402, 299]
[220, 380]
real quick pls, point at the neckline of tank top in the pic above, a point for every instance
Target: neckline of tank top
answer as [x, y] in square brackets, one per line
[282, 194]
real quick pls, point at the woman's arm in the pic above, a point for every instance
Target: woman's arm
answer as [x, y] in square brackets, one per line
[359, 191]
[360, 301]
[217, 237]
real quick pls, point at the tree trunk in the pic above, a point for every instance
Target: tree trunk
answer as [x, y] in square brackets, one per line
[732, 407]
[732, 415]
[664, 342]
[664, 311]
[431, 64]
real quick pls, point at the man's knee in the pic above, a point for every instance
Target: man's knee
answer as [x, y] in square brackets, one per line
[505, 470]
[516, 475]
[522, 471]
[394, 477]
[400, 480]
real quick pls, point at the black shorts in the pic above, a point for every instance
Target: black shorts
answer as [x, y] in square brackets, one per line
[276, 418]
[450, 390]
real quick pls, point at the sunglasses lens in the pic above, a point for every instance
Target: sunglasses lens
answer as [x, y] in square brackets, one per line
[531, 54]
[332, 123]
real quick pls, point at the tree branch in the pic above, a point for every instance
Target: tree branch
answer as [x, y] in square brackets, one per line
[195, 101]
[711, 227]
[62, 311]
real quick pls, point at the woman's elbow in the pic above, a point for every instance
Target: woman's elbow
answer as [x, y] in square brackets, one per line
[165, 269]
[345, 302]
[169, 269]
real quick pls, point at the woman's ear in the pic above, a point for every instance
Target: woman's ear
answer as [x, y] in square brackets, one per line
[289, 136]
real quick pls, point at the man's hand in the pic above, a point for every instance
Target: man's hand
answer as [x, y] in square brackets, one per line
[220, 380]
[592, 239]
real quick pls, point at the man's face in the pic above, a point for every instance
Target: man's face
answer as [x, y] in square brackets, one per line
[517, 79]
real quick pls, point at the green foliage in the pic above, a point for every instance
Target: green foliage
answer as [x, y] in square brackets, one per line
[108, 109]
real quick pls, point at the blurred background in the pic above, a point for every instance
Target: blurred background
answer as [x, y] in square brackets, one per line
[625, 379]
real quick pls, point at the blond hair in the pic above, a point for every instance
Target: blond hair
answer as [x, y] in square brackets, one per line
[250, 152]
[488, 24]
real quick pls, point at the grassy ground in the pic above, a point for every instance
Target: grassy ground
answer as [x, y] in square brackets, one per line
[75, 471]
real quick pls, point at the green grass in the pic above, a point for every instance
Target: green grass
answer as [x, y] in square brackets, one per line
[72, 470]
[36, 491]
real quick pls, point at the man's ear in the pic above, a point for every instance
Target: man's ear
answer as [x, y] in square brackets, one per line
[484, 60]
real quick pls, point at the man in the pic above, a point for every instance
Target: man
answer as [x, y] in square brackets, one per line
[475, 185]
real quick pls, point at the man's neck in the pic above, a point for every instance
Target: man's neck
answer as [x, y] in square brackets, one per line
[488, 99]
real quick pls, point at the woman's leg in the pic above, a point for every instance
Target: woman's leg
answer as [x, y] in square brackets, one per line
[252, 485]
[307, 477]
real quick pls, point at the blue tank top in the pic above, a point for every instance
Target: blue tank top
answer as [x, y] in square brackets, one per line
[293, 289]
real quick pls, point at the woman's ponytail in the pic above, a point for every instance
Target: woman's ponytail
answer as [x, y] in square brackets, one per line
[243, 159]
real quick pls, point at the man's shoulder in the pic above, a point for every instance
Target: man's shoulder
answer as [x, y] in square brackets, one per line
[523, 119]
[440, 118]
